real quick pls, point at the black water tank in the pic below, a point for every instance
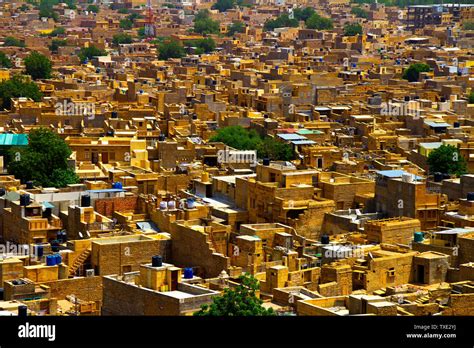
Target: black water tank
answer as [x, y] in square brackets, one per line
[85, 201]
[110, 133]
[194, 117]
[161, 137]
[114, 114]
[266, 161]
[39, 251]
[324, 239]
[438, 177]
[456, 124]
[407, 98]
[24, 199]
[446, 176]
[470, 196]
[29, 185]
[22, 311]
[443, 99]
[2, 192]
[47, 213]
[156, 261]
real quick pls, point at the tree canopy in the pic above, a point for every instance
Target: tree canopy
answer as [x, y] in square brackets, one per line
[318, 22]
[360, 12]
[12, 41]
[203, 24]
[170, 49]
[122, 38]
[93, 8]
[446, 159]
[223, 5]
[55, 44]
[412, 73]
[89, 52]
[352, 29]
[471, 98]
[5, 62]
[243, 139]
[205, 45]
[44, 161]
[281, 21]
[239, 301]
[18, 86]
[302, 14]
[38, 66]
[236, 27]
[126, 24]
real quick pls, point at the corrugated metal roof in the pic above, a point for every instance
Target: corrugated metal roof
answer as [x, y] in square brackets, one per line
[13, 139]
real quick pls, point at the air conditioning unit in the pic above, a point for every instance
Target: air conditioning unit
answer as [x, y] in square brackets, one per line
[90, 273]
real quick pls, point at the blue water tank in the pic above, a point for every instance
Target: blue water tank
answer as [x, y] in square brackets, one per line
[188, 273]
[324, 239]
[50, 260]
[117, 185]
[39, 249]
[58, 258]
[190, 203]
[418, 237]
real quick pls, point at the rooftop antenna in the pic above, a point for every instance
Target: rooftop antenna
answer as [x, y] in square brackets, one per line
[149, 26]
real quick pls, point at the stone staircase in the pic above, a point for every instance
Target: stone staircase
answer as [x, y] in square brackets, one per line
[79, 261]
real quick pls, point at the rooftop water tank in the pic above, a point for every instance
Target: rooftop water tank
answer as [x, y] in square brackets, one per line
[85, 201]
[188, 273]
[29, 185]
[324, 239]
[438, 177]
[190, 203]
[117, 185]
[470, 196]
[50, 260]
[418, 237]
[266, 161]
[22, 311]
[171, 205]
[156, 261]
[24, 199]
[39, 250]
[58, 259]
[163, 205]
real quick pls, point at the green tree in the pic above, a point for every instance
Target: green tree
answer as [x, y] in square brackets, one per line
[122, 38]
[319, 23]
[468, 25]
[90, 52]
[58, 31]
[38, 66]
[302, 14]
[5, 62]
[123, 10]
[93, 8]
[126, 24]
[243, 139]
[280, 22]
[223, 5]
[471, 97]
[236, 27]
[360, 12]
[170, 49]
[44, 160]
[205, 45]
[203, 24]
[18, 86]
[274, 150]
[239, 301]
[352, 29]
[46, 9]
[134, 16]
[55, 44]
[412, 74]
[12, 41]
[446, 159]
